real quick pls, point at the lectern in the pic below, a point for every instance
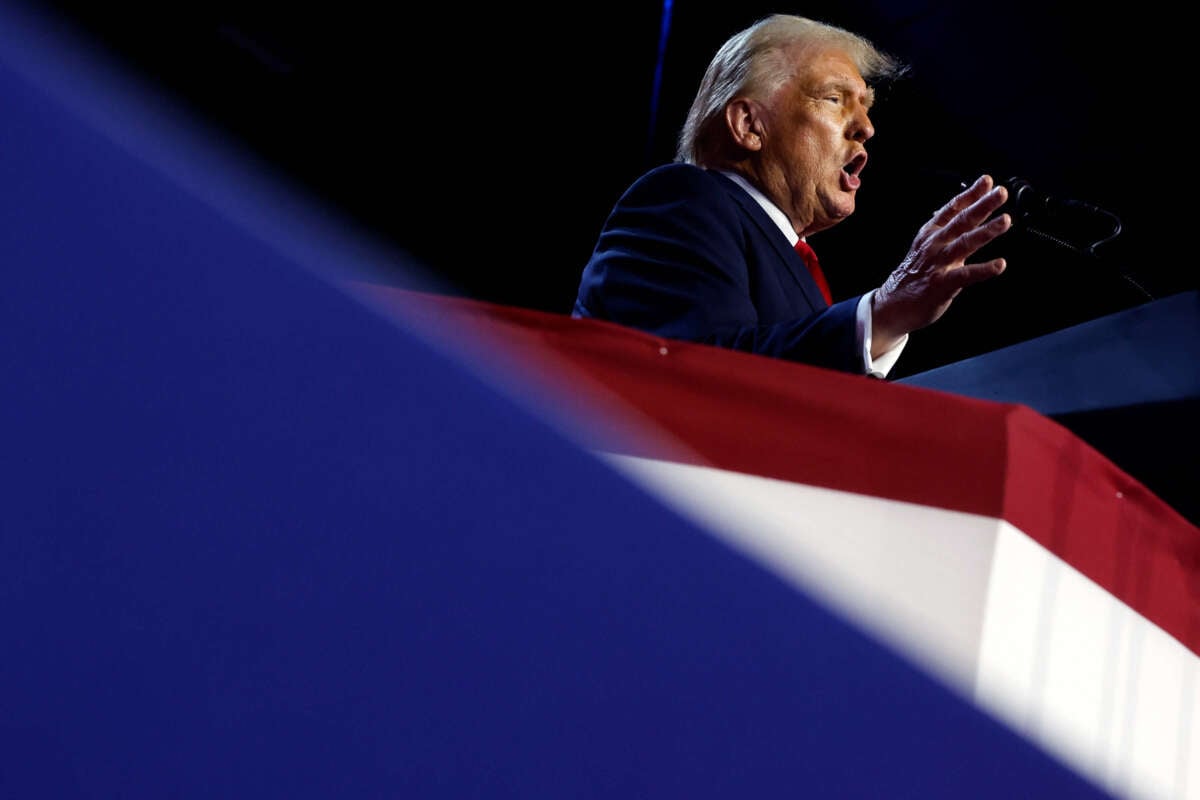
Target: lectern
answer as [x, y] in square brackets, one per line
[1127, 383]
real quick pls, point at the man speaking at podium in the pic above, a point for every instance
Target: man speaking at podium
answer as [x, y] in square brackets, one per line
[713, 247]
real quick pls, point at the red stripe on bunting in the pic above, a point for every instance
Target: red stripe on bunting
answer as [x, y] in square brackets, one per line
[643, 395]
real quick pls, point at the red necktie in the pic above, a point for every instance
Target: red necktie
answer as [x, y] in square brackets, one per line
[814, 266]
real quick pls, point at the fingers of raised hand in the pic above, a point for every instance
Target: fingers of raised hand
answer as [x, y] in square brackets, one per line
[977, 211]
[974, 273]
[949, 247]
[960, 247]
[964, 200]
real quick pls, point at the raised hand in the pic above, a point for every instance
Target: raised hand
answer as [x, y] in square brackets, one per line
[935, 270]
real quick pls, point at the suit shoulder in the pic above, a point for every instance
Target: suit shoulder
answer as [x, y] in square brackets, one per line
[678, 181]
[676, 174]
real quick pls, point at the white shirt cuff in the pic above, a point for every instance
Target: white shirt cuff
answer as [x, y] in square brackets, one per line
[875, 367]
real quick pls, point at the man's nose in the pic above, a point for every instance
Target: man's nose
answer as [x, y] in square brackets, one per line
[861, 128]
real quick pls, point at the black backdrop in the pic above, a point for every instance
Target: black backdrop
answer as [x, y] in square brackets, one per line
[489, 143]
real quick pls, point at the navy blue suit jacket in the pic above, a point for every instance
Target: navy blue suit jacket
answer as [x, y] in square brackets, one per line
[687, 254]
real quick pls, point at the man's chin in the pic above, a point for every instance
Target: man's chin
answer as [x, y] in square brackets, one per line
[843, 208]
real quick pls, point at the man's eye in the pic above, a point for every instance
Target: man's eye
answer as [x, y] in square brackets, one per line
[836, 98]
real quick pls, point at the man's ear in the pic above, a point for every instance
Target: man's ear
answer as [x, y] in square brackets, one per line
[744, 126]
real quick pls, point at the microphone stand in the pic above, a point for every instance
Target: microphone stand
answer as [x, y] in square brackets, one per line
[1024, 218]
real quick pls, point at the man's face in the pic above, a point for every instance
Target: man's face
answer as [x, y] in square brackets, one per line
[814, 150]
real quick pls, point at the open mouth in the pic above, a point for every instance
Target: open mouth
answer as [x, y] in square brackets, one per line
[850, 171]
[856, 164]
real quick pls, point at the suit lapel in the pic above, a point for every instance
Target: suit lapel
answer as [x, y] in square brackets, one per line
[789, 259]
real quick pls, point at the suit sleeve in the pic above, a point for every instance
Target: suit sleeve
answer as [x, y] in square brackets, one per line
[672, 260]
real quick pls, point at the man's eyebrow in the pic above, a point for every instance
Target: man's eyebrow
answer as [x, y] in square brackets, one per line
[847, 86]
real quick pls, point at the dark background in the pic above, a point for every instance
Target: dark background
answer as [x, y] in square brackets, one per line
[490, 142]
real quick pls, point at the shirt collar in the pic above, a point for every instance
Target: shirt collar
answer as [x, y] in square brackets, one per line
[777, 216]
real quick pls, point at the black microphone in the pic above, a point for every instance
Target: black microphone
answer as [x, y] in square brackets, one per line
[1073, 224]
[1028, 201]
